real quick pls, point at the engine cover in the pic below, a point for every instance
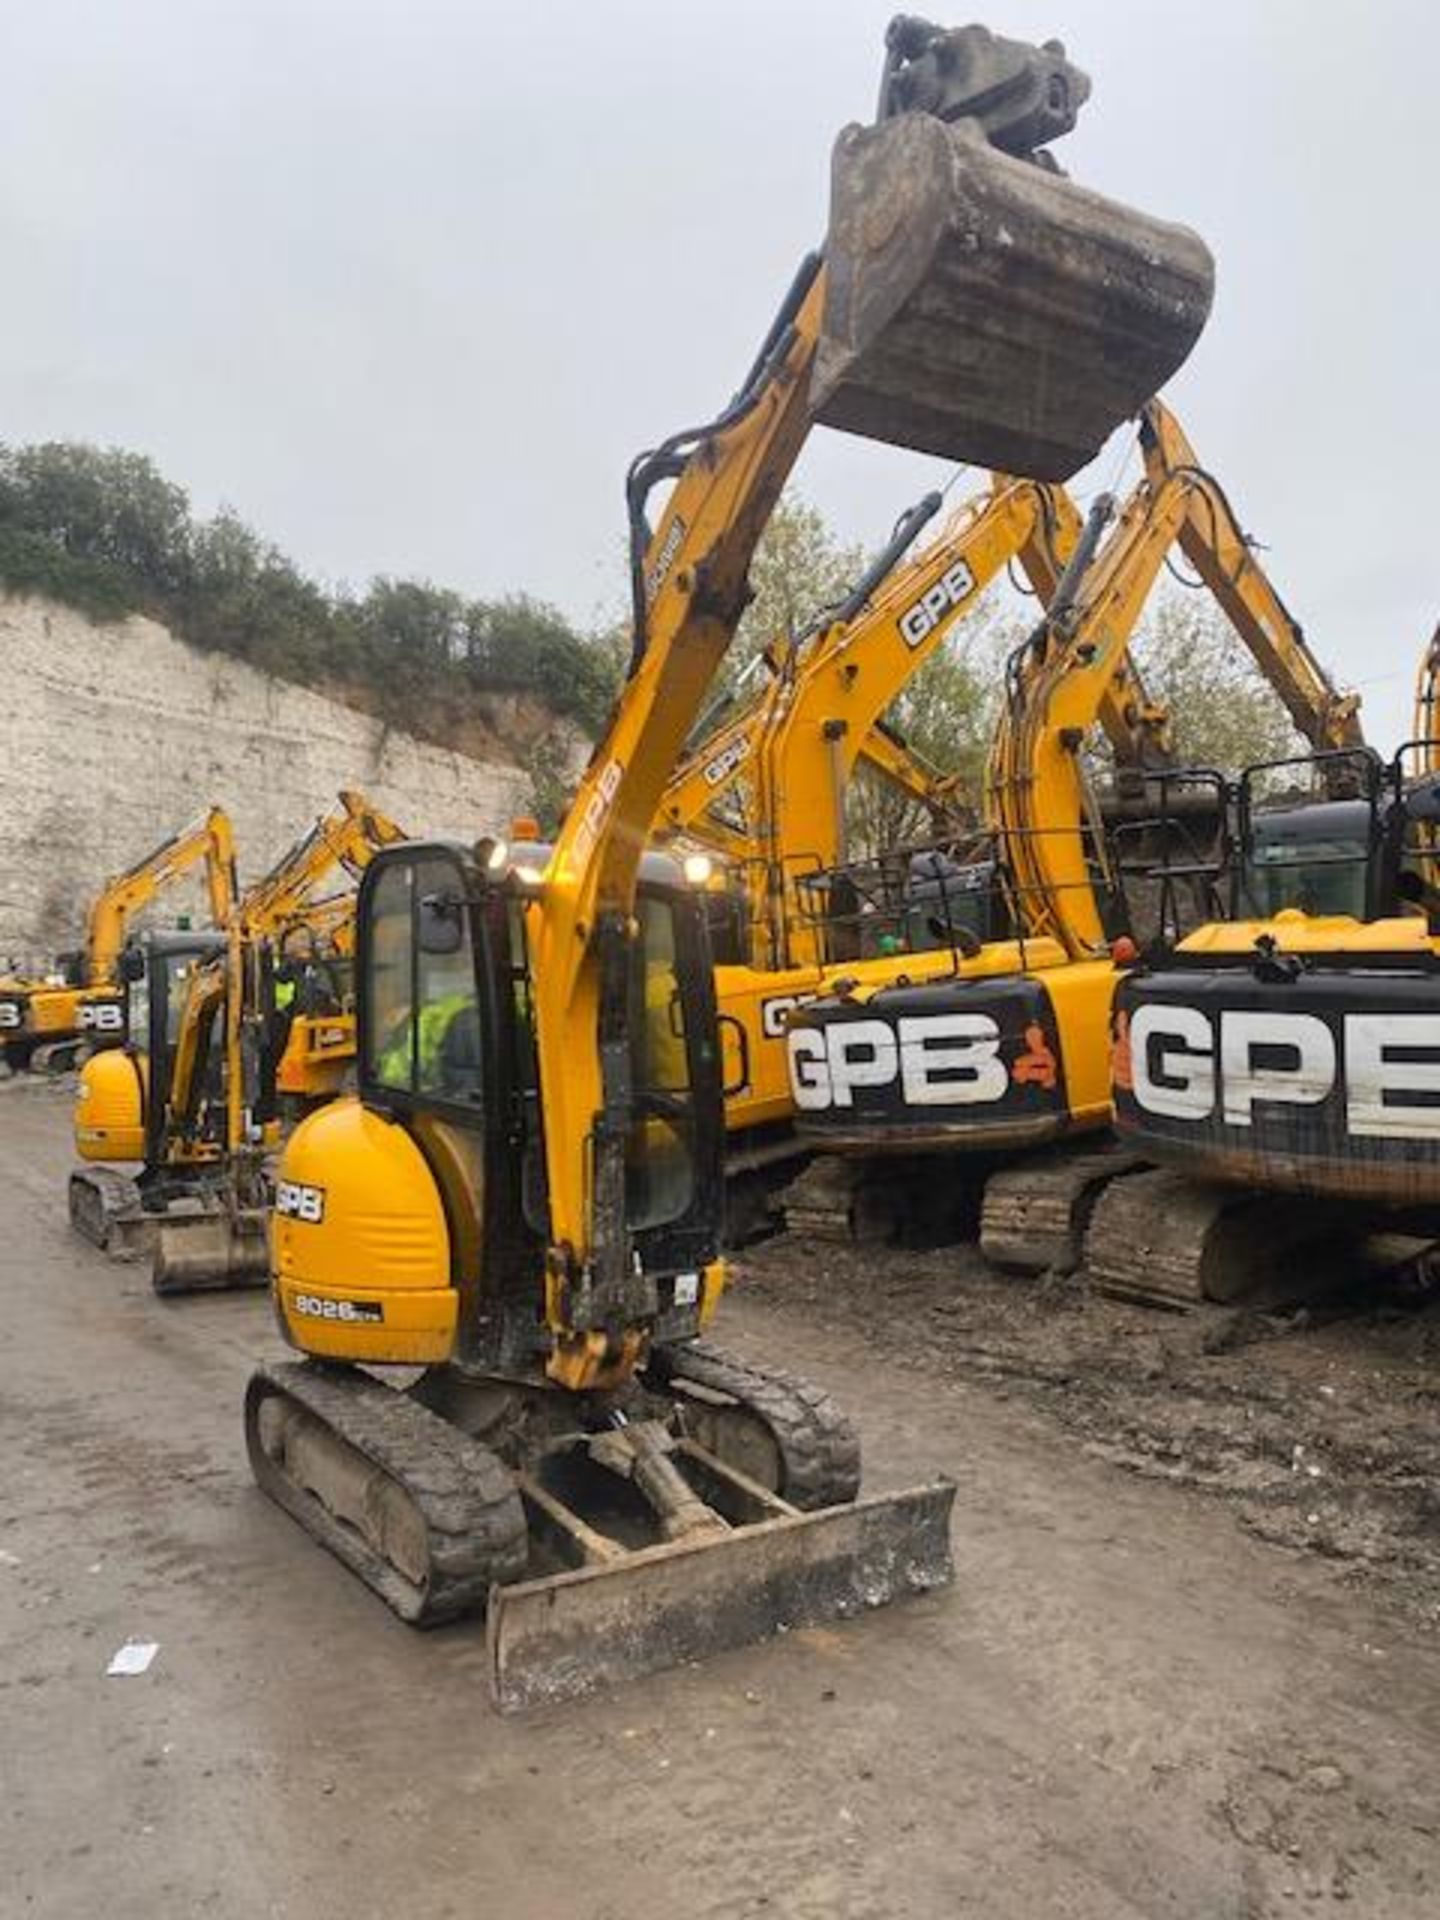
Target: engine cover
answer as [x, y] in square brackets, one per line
[976, 1062]
[1328, 1083]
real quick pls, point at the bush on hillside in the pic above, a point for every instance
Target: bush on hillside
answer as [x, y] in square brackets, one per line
[105, 532]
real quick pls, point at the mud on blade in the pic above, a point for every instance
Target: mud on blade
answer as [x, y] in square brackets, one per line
[557, 1638]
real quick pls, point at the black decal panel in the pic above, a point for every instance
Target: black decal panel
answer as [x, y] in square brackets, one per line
[963, 1060]
[1327, 1083]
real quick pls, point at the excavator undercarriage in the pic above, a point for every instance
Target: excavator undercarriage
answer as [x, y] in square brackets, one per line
[709, 1506]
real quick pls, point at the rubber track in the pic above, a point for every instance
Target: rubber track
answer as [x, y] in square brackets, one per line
[97, 1197]
[1035, 1213]
[474, 1520]
[819, 1446]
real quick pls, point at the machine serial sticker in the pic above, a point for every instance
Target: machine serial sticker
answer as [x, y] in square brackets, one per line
[313, 1307]
[297, 1202]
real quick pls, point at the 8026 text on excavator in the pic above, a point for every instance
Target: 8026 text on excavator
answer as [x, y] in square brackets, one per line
[525, 1198]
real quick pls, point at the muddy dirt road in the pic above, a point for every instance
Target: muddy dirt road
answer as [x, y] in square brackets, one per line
[1128, 1705]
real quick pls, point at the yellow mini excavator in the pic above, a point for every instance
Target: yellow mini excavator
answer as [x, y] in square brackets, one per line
[48, 1027]
[1281, 1063]
[973, 1012]
[524, 1200]
[213, 1046]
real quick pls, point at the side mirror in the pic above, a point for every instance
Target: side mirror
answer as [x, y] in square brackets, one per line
[132, 964]
[441, 923]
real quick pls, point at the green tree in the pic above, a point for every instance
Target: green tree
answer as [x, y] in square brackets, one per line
[104, 531]
[1222, 712]
[551, 787]
[799, 569]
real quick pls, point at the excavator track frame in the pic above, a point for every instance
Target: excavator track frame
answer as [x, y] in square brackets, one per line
[1162, 1239]
[466, 1500]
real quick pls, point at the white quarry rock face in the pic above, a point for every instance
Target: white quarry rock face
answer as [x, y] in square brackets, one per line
[112, 737]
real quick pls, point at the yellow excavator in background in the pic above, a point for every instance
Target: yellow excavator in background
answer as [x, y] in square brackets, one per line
[1281, 1062]
[214, 1043]
[972, 1014]
[796, 746]
[525, 1198]
[48, 1027]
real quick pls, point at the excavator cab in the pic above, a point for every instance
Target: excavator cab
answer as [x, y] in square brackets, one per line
[447, 1047]
[1335, 854]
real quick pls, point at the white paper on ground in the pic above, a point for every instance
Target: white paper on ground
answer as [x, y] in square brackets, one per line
[134, 1657]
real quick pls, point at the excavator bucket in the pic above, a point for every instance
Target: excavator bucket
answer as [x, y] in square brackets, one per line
[556, 1638]
[982, 307]
[203, 1252]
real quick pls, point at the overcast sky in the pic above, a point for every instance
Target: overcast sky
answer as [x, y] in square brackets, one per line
[407, 282]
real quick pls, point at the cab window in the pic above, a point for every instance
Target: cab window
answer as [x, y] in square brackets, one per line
[423, 1035]
[660, 1164]
[137, 1013]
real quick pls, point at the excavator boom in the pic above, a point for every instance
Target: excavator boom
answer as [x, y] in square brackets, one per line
[210, 839]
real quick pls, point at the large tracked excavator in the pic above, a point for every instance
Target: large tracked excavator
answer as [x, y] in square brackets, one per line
[974, 1015]
[1281, 1063]
[524, 1200]
[793, 750]
[192, 1099]
[48, 1027]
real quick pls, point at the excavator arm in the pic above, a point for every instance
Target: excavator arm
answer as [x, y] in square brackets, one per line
[1215, 544]
[345, 838]
[210, 839]
[879, 340]
[1427, 706]
[855, 675]
[690, 581]
[1055, 684]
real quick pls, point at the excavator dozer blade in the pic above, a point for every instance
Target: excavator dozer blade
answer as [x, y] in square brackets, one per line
[986, 309]
[201, 1253]
[557, 1638]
